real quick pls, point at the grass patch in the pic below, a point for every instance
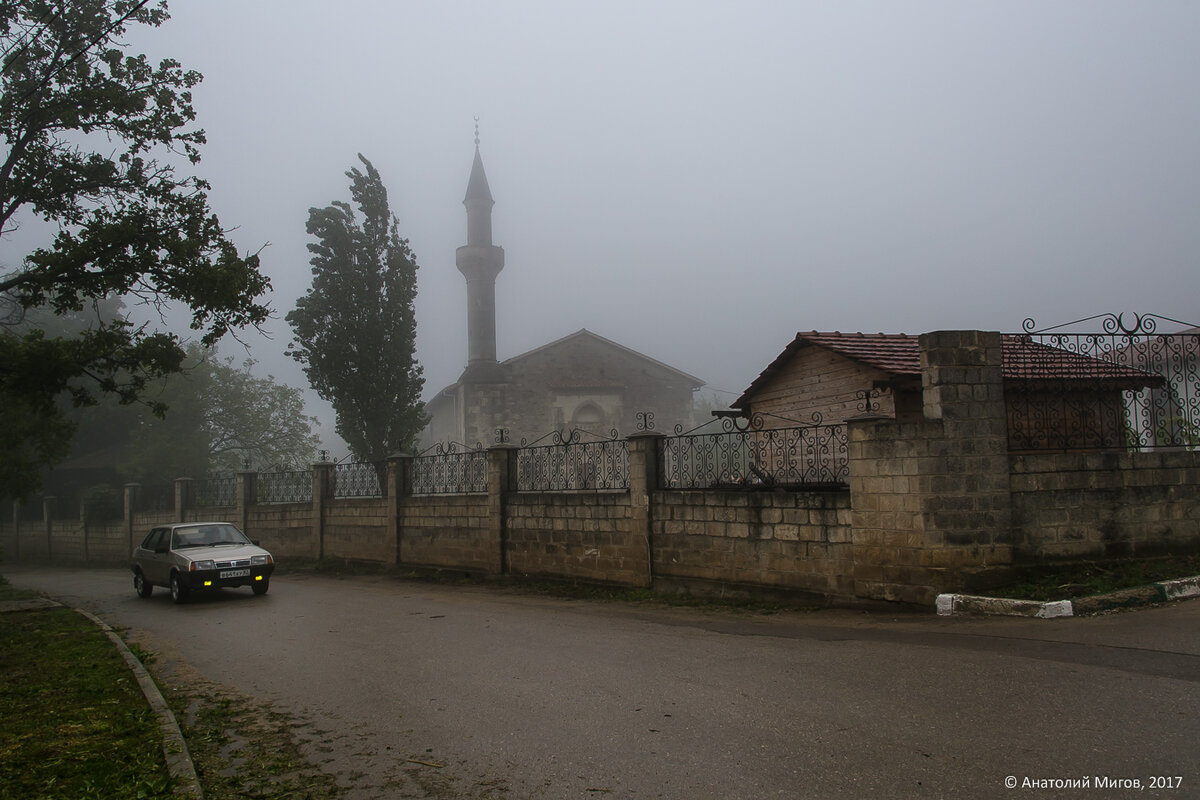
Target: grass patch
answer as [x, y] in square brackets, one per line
[1071, 581]
[73, 721]
[243, 748]
[9, 592]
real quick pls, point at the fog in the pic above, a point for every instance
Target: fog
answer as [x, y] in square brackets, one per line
[700, 180]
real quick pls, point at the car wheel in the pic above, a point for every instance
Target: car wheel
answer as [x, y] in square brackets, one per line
[143, 587]
[260, 587]
[179, 592]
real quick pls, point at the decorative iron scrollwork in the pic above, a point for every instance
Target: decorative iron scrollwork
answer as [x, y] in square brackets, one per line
[1128, 387]
[568, 463]
[747, 455]
[452, 468]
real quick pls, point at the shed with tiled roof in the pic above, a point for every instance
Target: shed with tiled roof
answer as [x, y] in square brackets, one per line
[829, 377]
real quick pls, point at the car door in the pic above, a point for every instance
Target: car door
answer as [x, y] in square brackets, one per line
[154, 561]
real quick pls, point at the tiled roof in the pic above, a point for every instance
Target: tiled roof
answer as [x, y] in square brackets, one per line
[899, 354]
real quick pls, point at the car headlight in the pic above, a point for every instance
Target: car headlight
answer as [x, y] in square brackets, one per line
[260, 560]
[200, 565]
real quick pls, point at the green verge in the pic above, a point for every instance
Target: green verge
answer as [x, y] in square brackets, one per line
[1071, 581]
[73, 722]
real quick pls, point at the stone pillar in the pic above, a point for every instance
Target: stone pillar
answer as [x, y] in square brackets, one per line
[16, 521]
[643, 482]
[247, 497]
[131, 499]
[399, 490]
[930, 499]
[183, 498]
[502, 481]
[48, 523]
[322, 491]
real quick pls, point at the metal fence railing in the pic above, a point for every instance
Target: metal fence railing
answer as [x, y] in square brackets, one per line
[284, 487]
[1126, 387]
[450, 469]
[359, 479]
[573, 465]
[216, 492]
[746, 455]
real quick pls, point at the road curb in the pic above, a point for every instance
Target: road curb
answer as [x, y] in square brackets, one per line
[950, 605]
[179, 760]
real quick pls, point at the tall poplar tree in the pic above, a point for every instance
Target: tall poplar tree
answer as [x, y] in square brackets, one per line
[354, 330]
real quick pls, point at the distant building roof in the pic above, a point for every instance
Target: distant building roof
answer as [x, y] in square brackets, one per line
[899, 354]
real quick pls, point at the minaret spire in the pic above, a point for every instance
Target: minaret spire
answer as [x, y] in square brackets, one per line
[480, 262]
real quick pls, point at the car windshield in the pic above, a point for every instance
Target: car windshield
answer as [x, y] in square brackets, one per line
[206, 536]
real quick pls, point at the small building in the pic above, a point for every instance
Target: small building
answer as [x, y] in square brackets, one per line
[1055, 399]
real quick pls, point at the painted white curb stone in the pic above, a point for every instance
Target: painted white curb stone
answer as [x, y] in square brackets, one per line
[1184, 587]
[955, 604]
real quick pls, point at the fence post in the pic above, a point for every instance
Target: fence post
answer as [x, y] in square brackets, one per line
[131, 492]
[16, 520]
[183, 498]
[322, 488]
[48, 523]
[643, 482]
[399, 489]
[502, 480]
[247, 496]
[83, 524]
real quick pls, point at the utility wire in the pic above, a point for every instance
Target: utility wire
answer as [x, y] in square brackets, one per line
[101, 37]
[45, 23]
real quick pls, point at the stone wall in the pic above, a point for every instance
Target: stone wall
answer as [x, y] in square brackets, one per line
[352, 530]
[937, 504]
[1105, 505]
[286, 529]
[574, 535]
[447, 532]
[777, 540]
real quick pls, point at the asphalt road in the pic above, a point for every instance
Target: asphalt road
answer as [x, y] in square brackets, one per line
[518, 696]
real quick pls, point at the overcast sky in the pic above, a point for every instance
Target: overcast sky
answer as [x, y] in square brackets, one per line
[700, 180]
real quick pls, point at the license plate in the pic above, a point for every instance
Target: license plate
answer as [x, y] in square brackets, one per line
[235, 573]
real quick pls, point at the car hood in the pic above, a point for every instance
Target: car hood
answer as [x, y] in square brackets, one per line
[222, 552]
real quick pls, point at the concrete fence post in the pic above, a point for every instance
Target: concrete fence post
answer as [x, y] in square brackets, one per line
[16, 521]
[183, 498]
[399, 490]
[322, 491]
[502, 481]
[48, 523]
[643, 482]
[130, 503]
[247, 497]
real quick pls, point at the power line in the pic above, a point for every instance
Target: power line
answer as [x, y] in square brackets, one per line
[45, 23]
[101, 37]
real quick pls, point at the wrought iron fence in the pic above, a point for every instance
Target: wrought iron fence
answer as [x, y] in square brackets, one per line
[156, 497]
[568, 463]
[746, 454]
[284, 487]
[451, 469]
[359, 479]
[1127, 387]
[216, 492]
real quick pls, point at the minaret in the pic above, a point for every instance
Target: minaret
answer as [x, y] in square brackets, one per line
[480, 262]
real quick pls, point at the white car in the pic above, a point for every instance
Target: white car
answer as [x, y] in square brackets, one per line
[196, 556]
